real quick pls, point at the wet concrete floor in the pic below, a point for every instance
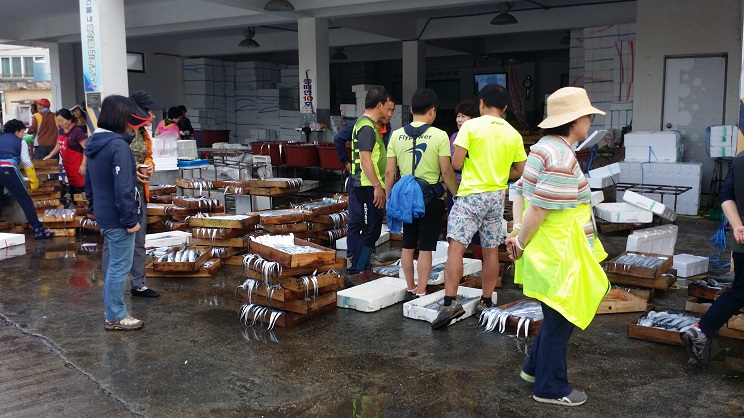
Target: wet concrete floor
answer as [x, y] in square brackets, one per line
[194, 358]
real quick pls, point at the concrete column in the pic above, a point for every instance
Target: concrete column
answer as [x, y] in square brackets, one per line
[62, 65]
[104, 45]
[313, 50]
[414, 68]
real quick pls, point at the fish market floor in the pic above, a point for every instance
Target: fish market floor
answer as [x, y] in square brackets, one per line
[193, 358]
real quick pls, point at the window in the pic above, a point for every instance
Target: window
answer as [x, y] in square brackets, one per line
[15, 66]
[28, 67]
[5, 62]
[18, 67]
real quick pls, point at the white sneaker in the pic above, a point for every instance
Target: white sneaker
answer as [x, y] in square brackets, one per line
[126, 324]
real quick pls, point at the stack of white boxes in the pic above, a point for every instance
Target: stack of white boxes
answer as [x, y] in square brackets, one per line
[360, 90]
[653, 147]
[601, 61]
[669, 174]
[722, 140]
[198, 75]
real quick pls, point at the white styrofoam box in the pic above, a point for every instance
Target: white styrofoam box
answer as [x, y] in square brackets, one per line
[671, 174]
[417, 308]
[688, 265]
[10, 240]
[342, 245]
[362, 87]
[652, 138]
[187, 149]
[716, 152]
[166, 239]
[14, 251]
[165, 163]
[605, 171]
[622, 213]
[728, 131]
[656, 240]
[654, 154]
[597, 198]
[348, 110]
[441, 251]
[469, 266]
[374, 295]
[434, 262]
[602, 182]
[646, 203]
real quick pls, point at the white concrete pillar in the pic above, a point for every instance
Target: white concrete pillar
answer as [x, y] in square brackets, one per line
[314, 62]
[414, 68]
[104, 45]
[62, 65]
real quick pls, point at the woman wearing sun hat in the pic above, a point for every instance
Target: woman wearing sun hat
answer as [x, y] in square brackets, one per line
[556, 251]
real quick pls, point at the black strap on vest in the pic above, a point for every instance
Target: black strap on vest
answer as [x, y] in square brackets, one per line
[415, 132]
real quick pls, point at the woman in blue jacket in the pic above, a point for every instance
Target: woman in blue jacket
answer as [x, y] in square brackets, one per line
[110, 187]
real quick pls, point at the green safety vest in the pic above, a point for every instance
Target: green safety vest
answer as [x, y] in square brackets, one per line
[560, 268]
[379, 155]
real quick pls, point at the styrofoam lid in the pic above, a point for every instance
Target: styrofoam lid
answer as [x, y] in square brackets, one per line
[593, 139]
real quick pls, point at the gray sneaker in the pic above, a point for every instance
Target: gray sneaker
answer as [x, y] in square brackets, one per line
[697, 344]
[447, 314]
[126, 324]
[575, 398]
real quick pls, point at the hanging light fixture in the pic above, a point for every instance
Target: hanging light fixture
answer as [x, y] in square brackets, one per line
[279, 6]
[504, 18]
[339, 54]
[249, 42]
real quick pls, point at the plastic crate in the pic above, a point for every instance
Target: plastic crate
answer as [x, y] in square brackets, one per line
[329, 157]
[273, 149]
[187, 149]
[302, 154]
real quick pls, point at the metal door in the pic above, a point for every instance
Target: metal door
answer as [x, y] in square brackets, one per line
[694, 99]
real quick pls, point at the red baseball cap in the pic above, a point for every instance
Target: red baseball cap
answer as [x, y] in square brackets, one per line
[43, 102]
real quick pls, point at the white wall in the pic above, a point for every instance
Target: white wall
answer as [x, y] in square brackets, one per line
[683, 27]
[163, 76]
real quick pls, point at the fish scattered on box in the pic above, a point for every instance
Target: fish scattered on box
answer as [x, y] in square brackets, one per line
[327, 219]
[173, 217]
[182, 261]
[283, 285]
[227, 234]
[643, 270]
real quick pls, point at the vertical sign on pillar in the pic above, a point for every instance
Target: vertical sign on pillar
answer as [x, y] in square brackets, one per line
[306, 102]
[91, 46]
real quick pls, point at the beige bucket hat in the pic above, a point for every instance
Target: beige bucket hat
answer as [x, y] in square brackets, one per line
[566, 105]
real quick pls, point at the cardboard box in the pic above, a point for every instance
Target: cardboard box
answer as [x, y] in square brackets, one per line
[689, 265]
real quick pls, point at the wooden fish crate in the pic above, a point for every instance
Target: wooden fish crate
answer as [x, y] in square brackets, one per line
[276, 182]
[46, 166]
[288, 319]
[184, 266]
[204, 271]
[325, 220]
[40, 194]
[231, 184]
[727, 331]
[636, 271]
[162, 190]
[736, 322]
[326, 209]
[237, 242]
[282, 216]
[512, 322]
[218, 233]
[193, 184]
[695, 304]
[620, 301]
[226, 252]
[4, 226]
[64, 232]
[660, 283]
[297, 292]
[337, 265]
[657, 335]
[704, 292]
[203, 204]
[64, 224]
[226, 221]
[166, 199]
[325, 256]
[46, 203]
[67, 216]
[176, 226]
[286, 228]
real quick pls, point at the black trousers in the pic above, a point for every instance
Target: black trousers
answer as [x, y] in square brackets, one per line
[10, 178]
[729, 303]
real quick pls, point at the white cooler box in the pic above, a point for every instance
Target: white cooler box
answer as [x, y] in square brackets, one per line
[623, 213]
[644, 202]
[688, 265]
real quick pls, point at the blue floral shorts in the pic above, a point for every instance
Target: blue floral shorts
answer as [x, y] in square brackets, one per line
[481, 212]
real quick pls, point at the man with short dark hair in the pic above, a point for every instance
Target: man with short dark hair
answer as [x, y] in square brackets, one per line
[423, 151]
[490, 152]
[366, 210]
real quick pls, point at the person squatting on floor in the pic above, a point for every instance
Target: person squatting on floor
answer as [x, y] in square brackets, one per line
[697, 339]
[341, 139]
[490, 152]
[557, 254]
[13, 156]
[110, 187]
[366, 210]
[422, 151]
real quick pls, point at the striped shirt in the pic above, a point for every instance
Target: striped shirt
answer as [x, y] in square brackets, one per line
[552, 179]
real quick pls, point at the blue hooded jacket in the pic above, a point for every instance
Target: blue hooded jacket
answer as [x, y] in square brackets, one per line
[110, 182]
[406, 202]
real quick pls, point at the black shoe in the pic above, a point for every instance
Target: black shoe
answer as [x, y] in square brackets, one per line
[145, 292]
[409, 296]
[447, 314]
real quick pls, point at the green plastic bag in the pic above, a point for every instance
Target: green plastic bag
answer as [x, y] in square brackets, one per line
[29, 139]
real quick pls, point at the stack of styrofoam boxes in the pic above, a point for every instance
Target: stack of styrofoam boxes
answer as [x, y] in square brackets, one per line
[231, 121]
[656, 240]
[247, 81]
[165, 151]
[722, 140]
[187, 149]
[399, 119]
[289, 103]
[602, 177]
[198, 75]
[607, 75]
[669, 174]
[653, 147]
[290, 120]
[267, 101]
[349, 111]
[360, 90]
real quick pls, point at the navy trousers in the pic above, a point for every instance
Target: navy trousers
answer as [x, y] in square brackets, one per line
[10, 178]
[547, 360]
[353, 214]
[365, 225]
[728, 304]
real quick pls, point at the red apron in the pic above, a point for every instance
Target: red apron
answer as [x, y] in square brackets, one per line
[72, 160]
